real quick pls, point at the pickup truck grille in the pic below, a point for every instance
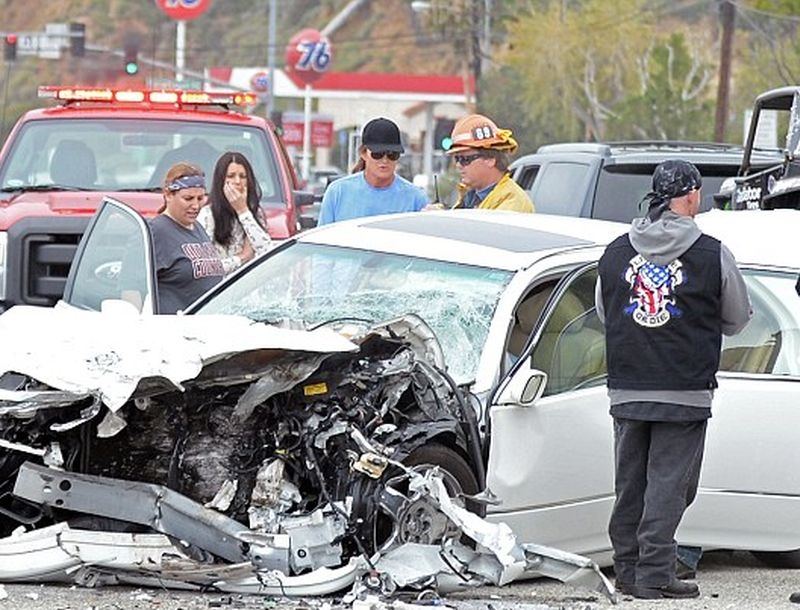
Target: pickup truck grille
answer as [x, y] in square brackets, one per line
[49, 258]
[40, 251]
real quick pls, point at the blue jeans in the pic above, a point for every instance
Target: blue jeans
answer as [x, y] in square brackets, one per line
[689, 555]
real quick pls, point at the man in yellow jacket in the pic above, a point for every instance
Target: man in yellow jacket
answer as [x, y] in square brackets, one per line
[481, 154]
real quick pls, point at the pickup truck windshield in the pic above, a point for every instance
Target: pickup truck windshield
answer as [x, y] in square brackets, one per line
[107, 154]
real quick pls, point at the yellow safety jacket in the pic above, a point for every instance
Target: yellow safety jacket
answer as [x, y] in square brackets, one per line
[506, 195]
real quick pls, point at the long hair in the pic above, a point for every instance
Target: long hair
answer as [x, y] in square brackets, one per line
[359, 165]
[222, 212]
[181, 169]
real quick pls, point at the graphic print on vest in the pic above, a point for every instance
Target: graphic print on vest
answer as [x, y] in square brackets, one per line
[652, 291]
[204, 258]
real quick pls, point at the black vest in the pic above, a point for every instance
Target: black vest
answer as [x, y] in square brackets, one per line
[663, 328]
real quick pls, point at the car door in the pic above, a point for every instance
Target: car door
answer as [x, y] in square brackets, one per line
[550, 460]
[114, 261]
[749, 495]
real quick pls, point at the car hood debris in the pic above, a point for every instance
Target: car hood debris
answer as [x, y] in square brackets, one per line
[214, 452]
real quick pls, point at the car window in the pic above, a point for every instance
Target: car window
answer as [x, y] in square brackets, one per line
[621, 189]
[112, 261]
[126, 154]
[526, 175]
[560, 188]
[571, 345]
[306, 284]
[770, 343]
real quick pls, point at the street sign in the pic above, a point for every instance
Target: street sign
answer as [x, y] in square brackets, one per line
[308, 55]
[41, 45]
[183, 10]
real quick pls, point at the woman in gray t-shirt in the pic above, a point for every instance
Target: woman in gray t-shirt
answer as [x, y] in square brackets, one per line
[186, 261]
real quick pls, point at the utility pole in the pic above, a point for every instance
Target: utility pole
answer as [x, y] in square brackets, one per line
[270, 105]
[727, 16]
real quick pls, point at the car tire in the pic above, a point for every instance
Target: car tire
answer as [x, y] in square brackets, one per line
[423, 522]
[786, 560]
[454, 467]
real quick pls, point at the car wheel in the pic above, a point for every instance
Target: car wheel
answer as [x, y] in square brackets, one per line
[789, 560]
[421, 521]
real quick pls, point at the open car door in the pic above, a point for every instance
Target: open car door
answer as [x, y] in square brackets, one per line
[551, 456]
[114, 261]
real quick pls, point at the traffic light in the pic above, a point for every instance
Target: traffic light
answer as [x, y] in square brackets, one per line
[131, 58]
[441, 133]
[77, 39]
[11, 47]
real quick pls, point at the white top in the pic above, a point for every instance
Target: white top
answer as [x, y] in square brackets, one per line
[246, 227]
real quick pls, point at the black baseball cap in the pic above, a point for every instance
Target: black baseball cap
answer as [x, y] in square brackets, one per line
[381, 135]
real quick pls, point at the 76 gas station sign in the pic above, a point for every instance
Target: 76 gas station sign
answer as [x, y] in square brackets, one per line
[183, 10]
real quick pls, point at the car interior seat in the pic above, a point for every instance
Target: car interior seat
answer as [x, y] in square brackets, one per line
[73, 164]
[571, 349]
[197, 151]
[526, 316]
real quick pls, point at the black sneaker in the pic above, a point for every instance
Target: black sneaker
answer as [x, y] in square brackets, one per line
[624, 588]
[677, 589]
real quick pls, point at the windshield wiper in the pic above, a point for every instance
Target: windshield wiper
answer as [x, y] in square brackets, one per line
[30, 188]
[140, 189]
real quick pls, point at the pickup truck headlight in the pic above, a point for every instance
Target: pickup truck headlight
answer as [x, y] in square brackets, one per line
[3, 246]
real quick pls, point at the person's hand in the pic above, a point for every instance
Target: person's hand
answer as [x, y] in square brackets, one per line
[247, 252]
[236, 197]
[433, 206]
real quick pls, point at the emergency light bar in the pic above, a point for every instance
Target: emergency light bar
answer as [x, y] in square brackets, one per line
[175, 97]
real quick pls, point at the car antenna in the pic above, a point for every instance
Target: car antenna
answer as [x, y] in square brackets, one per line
[436, 189]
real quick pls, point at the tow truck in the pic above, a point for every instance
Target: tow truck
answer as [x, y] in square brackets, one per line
[777, 186]
[60, 161]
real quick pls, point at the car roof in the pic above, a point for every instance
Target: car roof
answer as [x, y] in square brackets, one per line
[651, 152]
[511, 241]
[127, 111]
[756, 237]
[488, 238]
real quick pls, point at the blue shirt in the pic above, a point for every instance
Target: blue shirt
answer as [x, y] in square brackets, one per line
[353, 197]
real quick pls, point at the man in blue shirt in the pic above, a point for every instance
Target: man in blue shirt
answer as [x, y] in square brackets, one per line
[373, 188]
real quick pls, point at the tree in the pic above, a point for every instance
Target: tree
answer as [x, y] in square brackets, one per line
[574, 65]
[674, 101]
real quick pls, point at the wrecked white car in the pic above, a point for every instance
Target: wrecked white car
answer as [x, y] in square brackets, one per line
[294, 421]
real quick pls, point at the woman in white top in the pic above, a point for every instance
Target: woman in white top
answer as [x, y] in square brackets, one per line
[233, 217]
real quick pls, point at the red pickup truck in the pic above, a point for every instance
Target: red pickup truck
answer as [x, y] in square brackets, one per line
[59, 162]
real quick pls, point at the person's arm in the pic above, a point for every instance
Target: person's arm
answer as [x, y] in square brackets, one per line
[598, 301]
[735, 302]
[421, 200]
[327, 212]
[206, 220]
[256, 234]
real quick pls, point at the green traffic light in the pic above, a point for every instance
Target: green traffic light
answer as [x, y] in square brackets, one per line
[131, 68]
[447, 143]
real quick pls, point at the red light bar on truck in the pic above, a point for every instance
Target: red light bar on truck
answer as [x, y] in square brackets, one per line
[175, 97]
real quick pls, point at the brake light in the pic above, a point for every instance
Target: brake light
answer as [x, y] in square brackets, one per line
[152, 96]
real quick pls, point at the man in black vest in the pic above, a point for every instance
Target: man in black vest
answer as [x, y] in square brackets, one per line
[666, 293]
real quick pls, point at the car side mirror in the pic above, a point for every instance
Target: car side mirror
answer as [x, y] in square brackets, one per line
[525, 386]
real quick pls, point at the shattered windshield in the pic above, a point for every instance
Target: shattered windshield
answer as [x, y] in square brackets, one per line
[314, 283]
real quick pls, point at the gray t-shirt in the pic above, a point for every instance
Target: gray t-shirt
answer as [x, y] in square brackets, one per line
[186, 261]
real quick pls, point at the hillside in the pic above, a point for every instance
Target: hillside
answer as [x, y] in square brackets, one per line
[384, 35]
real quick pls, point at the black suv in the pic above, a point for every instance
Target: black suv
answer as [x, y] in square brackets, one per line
[609, 180]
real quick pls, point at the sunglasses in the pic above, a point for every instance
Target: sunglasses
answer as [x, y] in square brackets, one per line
[464, 160]
[393, 155]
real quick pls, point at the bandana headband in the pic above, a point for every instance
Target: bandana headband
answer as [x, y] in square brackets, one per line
[186, 182]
